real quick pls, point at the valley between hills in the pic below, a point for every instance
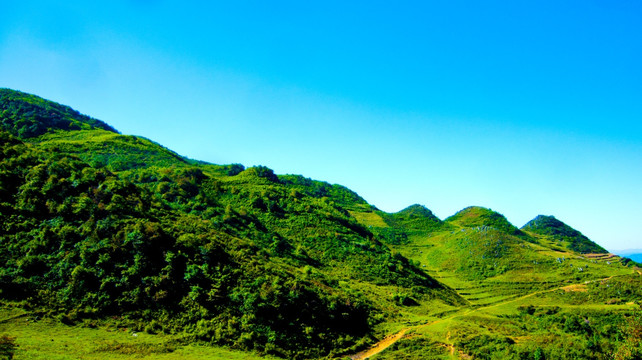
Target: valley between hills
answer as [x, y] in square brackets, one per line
[113, 246]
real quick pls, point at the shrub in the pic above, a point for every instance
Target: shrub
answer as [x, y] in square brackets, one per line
[7, 346]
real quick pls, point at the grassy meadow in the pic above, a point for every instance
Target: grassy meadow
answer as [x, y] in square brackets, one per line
[41, 338]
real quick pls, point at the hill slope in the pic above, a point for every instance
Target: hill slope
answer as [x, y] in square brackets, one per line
[557, 230]
[98, 224]
[25, 115]
[98, 227]
[476, 216]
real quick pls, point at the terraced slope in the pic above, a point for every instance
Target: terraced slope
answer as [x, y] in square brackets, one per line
[507, 275]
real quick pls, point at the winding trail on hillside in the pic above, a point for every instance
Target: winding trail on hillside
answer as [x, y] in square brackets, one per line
[380, 346]
[391, 339]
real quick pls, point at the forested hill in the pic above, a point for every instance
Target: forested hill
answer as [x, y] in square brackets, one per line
[96, 225]
[25, 115]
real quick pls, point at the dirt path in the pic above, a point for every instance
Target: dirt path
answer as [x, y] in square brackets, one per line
[391, 339]
[450, 346]
[380, 346]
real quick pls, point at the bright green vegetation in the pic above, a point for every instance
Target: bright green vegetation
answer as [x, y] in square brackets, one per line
[43, 338]
[530, 296]
[98, 225]
[555, 324]
[102, 232]
[475, 216]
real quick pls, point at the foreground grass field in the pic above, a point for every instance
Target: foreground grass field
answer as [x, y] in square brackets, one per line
[48, 339]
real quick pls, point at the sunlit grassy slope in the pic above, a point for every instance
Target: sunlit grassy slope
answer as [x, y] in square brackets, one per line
[525, 290]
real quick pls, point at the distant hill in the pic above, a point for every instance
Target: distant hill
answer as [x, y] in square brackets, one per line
[635, 255]
[550, 226]
[475, 216]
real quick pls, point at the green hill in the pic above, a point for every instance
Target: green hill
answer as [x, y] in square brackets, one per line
[25, 115]
[476, 216]
[108, 232]
[557, 230]
[417, 212]
[97, 224]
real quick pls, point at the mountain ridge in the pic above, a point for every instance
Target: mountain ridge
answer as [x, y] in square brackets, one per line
[26, 115]
[71, 118]
[96, 224]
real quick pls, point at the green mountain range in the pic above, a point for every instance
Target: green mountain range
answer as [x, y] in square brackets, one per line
[103, 231]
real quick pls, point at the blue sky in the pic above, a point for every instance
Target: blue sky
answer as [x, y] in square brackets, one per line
[524, 107]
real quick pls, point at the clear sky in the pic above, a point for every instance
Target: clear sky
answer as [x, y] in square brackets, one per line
[524, 107]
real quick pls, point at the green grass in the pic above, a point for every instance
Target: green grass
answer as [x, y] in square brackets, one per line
[48, 339]
[537, 268]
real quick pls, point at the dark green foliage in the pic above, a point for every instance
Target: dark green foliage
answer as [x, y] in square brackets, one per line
[234, 169]
[393, 235]
[549, 225]
[27, 116]
[7, 347]
[98, 224]
[83, 242]
[340, 195]
[261, 172]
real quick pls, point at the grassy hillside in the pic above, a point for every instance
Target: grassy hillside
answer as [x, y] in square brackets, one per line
[526, 292]
[475, 216]
[112, 151]
[103, 234]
